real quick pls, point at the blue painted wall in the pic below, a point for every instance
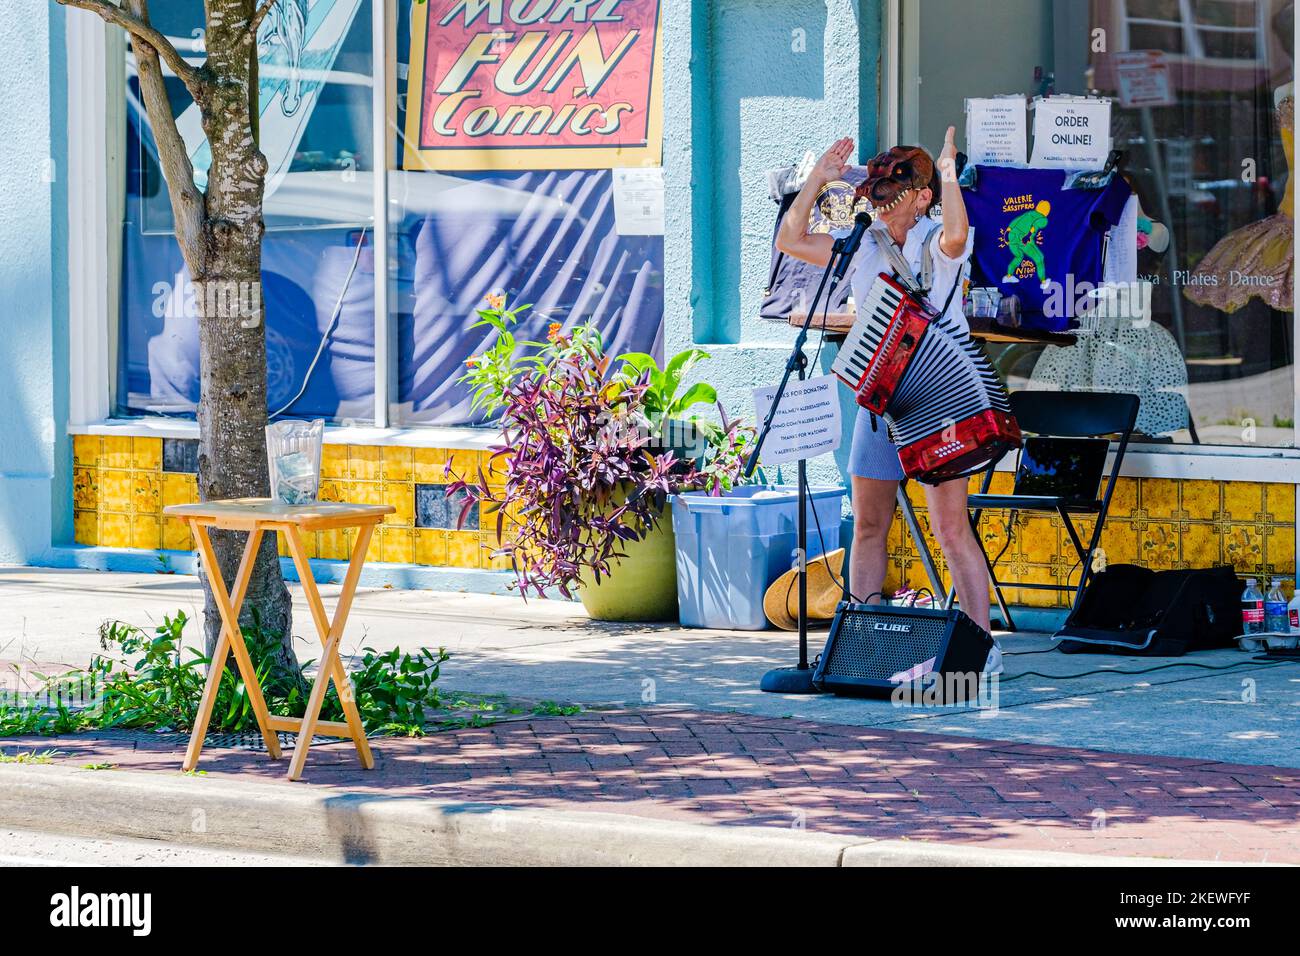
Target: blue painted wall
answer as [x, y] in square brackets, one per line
[35, 461]
[766, 80]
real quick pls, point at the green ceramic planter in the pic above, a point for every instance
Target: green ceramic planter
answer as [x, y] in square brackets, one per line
[640, 587]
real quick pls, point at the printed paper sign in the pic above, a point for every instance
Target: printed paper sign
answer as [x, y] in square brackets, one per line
[1071, 132]
[996, 131]
[1143, 78]
[547, 84]
[639, 201]
[1122, 248]
[807, 422]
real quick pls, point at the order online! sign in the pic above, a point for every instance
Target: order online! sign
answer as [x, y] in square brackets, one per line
[535, 84]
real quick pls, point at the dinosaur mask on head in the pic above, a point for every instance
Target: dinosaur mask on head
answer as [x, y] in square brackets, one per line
[892, 176]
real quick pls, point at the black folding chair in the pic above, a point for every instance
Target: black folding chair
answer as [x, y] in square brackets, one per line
[1059, 469]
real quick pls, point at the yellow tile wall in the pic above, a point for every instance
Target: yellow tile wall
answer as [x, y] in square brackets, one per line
[119, 491]
[1158, 523]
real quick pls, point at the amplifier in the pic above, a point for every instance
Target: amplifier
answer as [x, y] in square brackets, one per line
[873, 649]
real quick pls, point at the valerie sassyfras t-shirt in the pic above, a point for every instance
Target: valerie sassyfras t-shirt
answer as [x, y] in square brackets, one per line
[1038, 240]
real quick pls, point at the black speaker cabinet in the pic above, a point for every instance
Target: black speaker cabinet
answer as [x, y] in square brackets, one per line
[872, 649]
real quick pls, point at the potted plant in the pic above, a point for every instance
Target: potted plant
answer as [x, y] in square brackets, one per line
[665, 404]
[587, 466]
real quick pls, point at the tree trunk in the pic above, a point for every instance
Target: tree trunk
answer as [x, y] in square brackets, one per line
[232, 328]
[220, 236]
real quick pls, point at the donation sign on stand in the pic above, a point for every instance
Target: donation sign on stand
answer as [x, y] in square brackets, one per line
[807, 423]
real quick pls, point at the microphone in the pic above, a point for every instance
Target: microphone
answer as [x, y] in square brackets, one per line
[848, 245]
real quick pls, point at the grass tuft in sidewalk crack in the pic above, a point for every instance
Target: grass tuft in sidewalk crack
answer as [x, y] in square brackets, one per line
[31, 757]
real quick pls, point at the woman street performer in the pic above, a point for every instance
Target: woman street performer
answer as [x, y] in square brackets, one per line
[902, 186]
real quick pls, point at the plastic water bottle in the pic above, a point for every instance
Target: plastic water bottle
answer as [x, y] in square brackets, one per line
[1293, 612]
[1275, 610]
[1252, 609]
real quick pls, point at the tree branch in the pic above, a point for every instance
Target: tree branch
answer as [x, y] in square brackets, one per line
[144, 31]
[260, 15]
[173, 155]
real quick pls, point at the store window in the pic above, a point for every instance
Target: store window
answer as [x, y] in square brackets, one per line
[318, 263]
[508, 211]
[1201, 111]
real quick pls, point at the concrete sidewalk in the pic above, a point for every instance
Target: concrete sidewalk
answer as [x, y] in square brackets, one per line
[661, 785]
[1219, 706]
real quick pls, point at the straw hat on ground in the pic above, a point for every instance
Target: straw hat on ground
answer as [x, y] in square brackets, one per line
[825, 588]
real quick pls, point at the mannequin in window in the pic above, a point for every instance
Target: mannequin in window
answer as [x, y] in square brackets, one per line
[1263, 250]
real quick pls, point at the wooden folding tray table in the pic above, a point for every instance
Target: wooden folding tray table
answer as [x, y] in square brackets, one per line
[258, 516]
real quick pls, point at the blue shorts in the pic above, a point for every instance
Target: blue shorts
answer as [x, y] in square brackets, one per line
[872, 454]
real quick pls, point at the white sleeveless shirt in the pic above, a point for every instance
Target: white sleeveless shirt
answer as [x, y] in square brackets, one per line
[870, 261]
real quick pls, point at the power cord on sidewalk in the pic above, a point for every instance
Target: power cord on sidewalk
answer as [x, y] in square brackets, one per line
[1149, 670]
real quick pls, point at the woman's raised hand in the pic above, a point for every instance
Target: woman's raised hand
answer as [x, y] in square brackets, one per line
[948, 156]
[831, 166]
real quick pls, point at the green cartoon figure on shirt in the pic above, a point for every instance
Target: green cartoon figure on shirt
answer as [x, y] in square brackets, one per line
[1022, 236]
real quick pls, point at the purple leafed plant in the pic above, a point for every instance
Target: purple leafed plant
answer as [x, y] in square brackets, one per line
[584, 471]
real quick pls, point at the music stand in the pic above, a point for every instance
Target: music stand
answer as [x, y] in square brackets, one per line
[798, 679]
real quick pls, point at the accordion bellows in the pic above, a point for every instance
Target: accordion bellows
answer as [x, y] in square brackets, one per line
[946, 408]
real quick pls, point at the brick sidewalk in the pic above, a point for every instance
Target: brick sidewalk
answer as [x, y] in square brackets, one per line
[729, 768]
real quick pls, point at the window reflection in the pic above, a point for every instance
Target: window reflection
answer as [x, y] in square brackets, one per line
[1211, 173]
[318, 262]
[545, 237]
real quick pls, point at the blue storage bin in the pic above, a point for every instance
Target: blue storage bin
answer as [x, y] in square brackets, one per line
[731, 548]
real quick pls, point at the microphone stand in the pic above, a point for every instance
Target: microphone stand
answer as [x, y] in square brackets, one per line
[797, 679]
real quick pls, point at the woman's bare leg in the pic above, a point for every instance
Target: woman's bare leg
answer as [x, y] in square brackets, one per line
[873, 513]
[950, 521]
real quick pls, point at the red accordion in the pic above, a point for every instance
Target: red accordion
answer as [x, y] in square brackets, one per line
[947, 410]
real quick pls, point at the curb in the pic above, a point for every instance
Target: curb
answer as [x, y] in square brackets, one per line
[357, 828]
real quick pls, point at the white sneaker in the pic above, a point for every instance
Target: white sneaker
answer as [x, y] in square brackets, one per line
[1009, 280]
[993, 664]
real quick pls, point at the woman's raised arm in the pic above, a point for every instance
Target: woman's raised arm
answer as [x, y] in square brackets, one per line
[793, 237]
